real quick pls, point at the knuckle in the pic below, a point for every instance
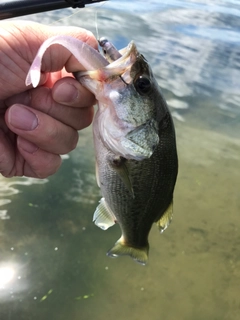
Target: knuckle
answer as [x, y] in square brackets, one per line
[51, 165]
[90, 39]
[73, 142]
[86, 118]
[62, 140]
[52, 136]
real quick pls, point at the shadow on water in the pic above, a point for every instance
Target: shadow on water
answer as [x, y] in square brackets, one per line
[52, 257]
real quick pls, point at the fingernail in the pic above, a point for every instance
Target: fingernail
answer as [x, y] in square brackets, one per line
[22, 118]
[66, 92]
[27, 145]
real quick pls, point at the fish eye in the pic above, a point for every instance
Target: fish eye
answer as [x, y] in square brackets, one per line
[142, 85]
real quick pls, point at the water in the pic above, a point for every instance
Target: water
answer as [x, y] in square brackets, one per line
[53, 263]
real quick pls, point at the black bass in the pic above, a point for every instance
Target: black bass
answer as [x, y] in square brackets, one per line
[134, 137]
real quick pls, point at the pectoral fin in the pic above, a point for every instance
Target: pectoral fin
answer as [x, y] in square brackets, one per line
[97, 174]
[119, 165]
[103, 216]
[165, 219]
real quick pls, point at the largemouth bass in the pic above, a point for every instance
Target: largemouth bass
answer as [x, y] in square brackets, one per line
[134, 137]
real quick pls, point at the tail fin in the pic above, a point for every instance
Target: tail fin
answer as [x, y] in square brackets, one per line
[122, 249]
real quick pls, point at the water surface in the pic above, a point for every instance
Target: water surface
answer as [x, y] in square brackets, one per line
[51, 252]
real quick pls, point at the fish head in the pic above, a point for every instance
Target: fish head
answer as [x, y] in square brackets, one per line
[130, 104]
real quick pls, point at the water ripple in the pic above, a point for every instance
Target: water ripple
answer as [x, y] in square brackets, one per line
[8, 188]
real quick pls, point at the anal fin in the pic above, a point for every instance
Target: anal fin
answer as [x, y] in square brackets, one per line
[103, 216]
[166, 218]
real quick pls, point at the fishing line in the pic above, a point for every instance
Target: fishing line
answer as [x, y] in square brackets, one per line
[96, 18]
[76, 11]
[96, 24]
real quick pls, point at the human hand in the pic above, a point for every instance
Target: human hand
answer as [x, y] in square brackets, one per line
[37, 125]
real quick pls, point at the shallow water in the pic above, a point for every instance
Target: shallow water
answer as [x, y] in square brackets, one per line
[47, 238]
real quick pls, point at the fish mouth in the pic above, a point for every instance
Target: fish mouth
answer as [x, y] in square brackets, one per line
[115, 68]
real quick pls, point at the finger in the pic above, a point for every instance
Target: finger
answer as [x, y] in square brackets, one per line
[41, 99]
[38, 163]
[70, 92]
[29, 161]
[7, 155]
[39, 128]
